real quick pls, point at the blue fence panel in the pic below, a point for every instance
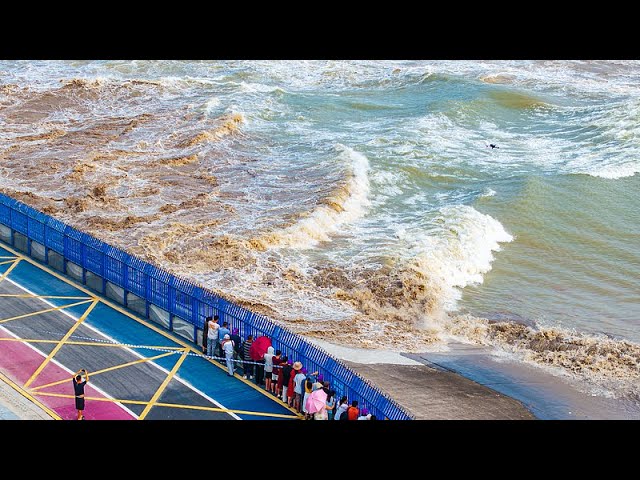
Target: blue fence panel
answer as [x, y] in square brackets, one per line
[35, 225]
[182, 304]
[19, 221]
[5, 214]
[54, 235]
[73, 245]
[6, 207]
[158, 292]
[115, 265]
[93, 256]
[135, 276]
[207, 305]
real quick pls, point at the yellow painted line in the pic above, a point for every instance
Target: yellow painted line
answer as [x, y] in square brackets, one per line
[97, 399]
[161, 388]
[53, 309]
[108, 369]
[50, 412]
[264, 392]
[89, 344]
[61, 342]
[15, 264]
[13, 257]
[214, 409]
[28, 295]
[8, 261]
[149, 325]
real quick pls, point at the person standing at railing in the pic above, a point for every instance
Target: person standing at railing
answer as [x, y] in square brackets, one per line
[227, 348]
[280, 382]
[353, 412]
[237, 342]
[205, 335]
[275, 374]
[224, 330]
[297, 386]
[247, 365]
[342, 407]
[212, 335]
[268, 368]
[331, 404]
[287, 370]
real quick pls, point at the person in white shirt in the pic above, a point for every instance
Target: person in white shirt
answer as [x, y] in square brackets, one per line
[268, 368]
[227, 348]
[212, 335]
[342, 407]
[297, 385]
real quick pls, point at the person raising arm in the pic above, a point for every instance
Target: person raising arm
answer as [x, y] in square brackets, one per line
[80, 379]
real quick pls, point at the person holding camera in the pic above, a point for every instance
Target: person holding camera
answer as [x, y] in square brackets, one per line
[80, 379]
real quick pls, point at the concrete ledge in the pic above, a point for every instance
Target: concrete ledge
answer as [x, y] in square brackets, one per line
[441, 395]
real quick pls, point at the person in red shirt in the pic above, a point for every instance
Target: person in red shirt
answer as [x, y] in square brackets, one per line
[353, 412]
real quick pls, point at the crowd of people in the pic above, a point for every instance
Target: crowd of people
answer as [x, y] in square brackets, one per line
[308, 393]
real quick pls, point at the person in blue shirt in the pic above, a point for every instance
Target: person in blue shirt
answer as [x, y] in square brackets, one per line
[224, 330]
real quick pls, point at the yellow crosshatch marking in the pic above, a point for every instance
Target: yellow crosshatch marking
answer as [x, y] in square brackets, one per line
[15, 264]
[53, 309]
[184, 348]
[108, 369]
[156, 395]
[60, 343]
[7, 261]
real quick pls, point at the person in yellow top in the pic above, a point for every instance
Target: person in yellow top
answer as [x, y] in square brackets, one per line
[80, 379]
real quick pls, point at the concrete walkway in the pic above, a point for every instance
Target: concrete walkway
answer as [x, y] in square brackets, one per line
[14, 406]
[432, 394]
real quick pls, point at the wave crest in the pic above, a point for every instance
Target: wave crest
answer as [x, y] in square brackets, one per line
[346, 203]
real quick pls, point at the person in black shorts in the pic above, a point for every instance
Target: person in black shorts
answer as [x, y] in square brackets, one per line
[78, 386]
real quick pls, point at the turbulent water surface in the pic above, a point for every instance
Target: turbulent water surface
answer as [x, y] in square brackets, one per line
[359, 202]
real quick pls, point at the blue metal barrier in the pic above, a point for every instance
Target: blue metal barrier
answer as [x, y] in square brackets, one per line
[183, 298]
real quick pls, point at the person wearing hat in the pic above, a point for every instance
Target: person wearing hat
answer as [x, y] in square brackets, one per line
[364, 415]
[227, 348]
[290, 393]
[297, 386]
[321, 414]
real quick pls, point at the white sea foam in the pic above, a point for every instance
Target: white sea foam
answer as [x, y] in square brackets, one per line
[614, 171]
[211, 104]
[458, 252]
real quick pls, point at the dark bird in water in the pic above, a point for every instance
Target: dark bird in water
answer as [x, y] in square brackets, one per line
[493, 145]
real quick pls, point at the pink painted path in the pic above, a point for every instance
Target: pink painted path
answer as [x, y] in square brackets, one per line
[18, 362]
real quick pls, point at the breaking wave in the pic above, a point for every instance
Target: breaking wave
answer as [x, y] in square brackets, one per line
[345, 204]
